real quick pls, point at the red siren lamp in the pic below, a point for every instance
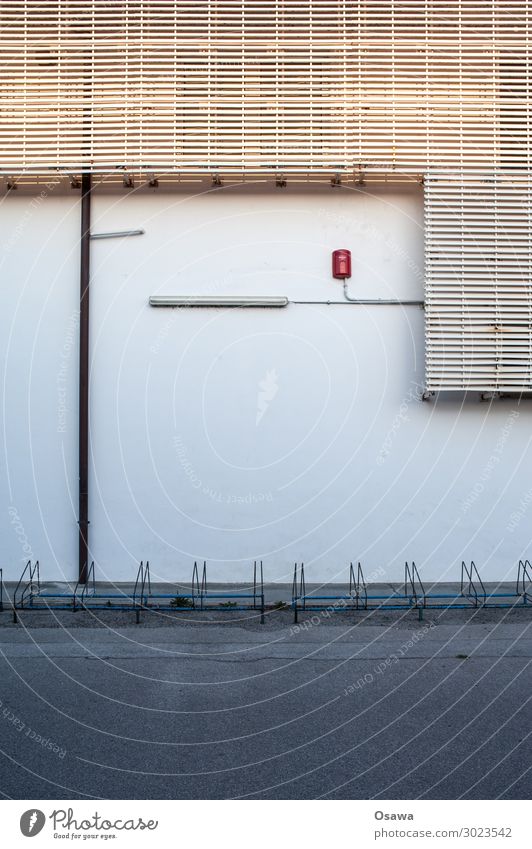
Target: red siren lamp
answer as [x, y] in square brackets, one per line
[341, 264]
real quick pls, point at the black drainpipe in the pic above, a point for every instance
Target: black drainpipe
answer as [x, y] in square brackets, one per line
[84, 281]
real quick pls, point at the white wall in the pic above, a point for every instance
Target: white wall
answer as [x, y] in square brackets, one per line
[39, 279]
[189, 459]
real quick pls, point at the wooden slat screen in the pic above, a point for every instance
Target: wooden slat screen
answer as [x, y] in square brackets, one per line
[249, 85]
[478, 230]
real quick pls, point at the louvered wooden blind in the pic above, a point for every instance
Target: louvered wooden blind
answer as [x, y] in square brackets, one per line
[478, 281]
[247, 85]
[439, 87]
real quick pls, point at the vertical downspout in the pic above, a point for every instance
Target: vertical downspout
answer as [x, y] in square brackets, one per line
[84, 290]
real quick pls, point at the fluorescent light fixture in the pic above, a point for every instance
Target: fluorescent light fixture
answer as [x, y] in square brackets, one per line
[117, 234]
[218, 301]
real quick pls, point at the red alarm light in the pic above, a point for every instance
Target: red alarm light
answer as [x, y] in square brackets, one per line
[341, 264]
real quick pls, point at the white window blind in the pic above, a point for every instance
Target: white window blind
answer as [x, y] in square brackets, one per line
[478, 230]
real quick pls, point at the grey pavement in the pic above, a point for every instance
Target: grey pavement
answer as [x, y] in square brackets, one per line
[340, 707]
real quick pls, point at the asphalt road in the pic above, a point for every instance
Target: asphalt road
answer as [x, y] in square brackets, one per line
[401, 709]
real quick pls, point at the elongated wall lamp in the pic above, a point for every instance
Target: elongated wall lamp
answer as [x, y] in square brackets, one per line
[218, 301]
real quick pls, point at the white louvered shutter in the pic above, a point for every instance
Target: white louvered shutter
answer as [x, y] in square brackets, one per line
[478, 230]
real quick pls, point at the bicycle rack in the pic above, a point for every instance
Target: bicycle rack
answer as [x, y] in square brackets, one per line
[31, 585]
[298, 590]
[256, 597]
[29, 593]
[93, 598]
[473, 593]
[148, 599]
[355, 599]
[88, 589]
[358, 588]
[414, 589]
[260, 579]
[523, 584]
[200, 597]
[142, 588]
[471, 585]
[414, 596]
